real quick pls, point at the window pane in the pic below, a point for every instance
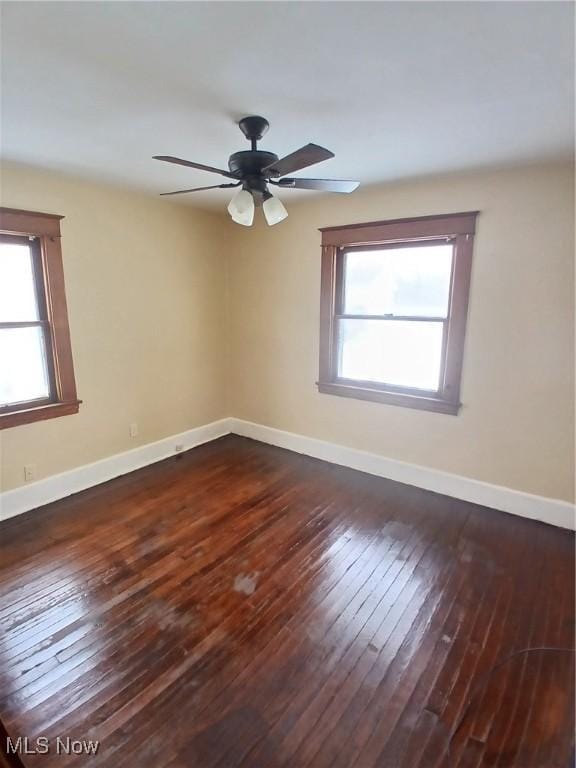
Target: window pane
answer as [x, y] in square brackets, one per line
[23, 370]
[17, 290]
[405, 353]
[398, 281]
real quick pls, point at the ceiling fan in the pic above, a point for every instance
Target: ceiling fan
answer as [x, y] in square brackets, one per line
[253, 170]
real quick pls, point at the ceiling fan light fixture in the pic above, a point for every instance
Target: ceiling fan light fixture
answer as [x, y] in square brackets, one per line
[241, 208]
[274, 210]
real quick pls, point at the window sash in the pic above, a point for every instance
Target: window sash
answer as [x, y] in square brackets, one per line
[49, 360]
[384, 385]
[392, 246]
[43, 321]
[340, 315]
[37, 275]
[417, 318]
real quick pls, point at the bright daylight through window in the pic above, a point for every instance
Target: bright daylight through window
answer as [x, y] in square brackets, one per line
[395, 307]
[24, 375]
[36, 372]
[394, 300]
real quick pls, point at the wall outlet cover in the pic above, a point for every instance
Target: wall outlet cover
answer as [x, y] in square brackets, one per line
[29, 472]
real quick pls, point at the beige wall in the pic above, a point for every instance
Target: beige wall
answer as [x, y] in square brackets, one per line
[516, 425]
[145, 279]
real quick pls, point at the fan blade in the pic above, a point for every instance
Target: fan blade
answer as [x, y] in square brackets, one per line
[302, 158]
[199, 166]
[326, 185]
[200, 189]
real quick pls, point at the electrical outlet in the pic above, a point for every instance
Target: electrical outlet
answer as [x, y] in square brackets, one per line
[179, 448]
[29, 472]
[133, 429]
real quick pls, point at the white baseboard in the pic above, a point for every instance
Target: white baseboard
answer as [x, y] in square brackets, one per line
[553, 511]
[58, 486]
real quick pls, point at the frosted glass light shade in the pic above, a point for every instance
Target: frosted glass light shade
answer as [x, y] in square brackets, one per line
[241, 208]
[274, 211]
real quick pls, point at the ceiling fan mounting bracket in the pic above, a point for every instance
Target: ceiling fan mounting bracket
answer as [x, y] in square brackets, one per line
[254, 127]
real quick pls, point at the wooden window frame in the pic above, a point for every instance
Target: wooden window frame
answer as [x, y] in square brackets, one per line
[458, 229]
[44, 229]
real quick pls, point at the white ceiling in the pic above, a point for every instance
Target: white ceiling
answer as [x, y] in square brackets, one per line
[395, 89]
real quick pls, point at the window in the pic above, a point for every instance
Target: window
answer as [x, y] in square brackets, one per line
[36, 371]
[394, 298]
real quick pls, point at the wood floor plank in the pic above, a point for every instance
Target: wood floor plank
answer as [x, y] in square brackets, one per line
[266, 620]
[396, 595]
[242, 606]
[377, 707]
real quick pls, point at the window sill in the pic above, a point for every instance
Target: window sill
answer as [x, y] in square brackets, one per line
[39, 413]
[406, 400]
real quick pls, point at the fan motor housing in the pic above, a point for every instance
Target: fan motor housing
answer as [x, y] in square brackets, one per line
[250, 162]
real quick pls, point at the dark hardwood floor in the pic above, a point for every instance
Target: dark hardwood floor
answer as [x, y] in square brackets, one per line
[246, 607]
